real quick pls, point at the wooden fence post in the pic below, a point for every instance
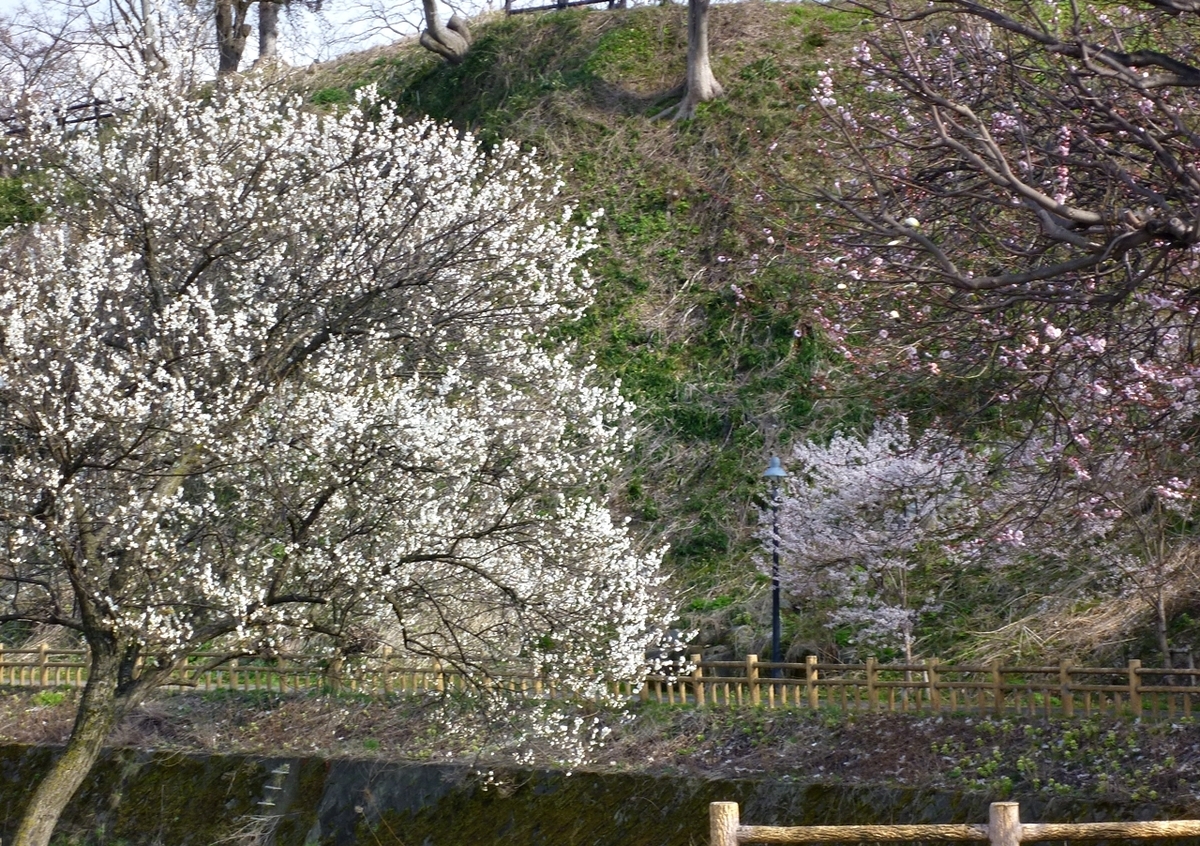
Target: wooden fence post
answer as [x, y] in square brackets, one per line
[43, 665]
[333, 673]
[935, 695]
[697, 684]
[872, 690]
[810, 681]
[997, 690]
[1004, 824]
[1135, 685]
[1066, 694]
[386, 669]
[752, 677]
[723, 823]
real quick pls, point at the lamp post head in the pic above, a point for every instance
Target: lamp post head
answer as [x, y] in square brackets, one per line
[775, 469]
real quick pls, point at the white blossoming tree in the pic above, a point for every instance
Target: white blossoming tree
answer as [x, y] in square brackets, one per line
[263, 370]
[860, 514]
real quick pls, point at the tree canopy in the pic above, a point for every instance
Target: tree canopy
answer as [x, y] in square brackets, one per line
[267, 372]
[1009, 249]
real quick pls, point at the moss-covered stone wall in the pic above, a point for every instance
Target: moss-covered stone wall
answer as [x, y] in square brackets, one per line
[142, 798]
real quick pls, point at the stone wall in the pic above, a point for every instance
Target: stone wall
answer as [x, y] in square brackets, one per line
[142, 798]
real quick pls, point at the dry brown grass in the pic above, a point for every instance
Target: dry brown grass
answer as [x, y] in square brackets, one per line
[1100, 629]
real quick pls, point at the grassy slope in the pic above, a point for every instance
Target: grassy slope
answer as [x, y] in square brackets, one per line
[722, 378]
[721, 381]
[703, 321]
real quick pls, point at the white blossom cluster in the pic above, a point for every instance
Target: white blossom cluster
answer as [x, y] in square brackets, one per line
[859, 514]
[265, 369]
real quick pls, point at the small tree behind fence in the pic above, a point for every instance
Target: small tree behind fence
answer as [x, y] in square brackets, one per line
[928, 687]
[1004, 828]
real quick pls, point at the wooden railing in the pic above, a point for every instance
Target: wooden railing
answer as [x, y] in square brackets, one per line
[46, 667]
[921, 688]
[933, 687]
[1004, 828]
[43, 667]
[380, 674]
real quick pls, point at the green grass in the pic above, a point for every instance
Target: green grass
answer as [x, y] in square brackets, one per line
[16, 206]
[718, 380]
[49, 698]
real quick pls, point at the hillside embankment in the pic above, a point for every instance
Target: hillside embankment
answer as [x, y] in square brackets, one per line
[714, 261]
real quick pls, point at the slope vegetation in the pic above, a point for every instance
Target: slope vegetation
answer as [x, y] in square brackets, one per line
[701, 337]
[701, 314]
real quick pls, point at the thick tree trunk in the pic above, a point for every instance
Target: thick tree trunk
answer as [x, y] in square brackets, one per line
[701, 85]
[232, 32]
[452, 41]
[268, 31]
[99, 711]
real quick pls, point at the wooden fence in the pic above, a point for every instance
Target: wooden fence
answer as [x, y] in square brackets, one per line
[46, 667]
[929, 687]
[1004, 828]
[933, 687]
[377, 675]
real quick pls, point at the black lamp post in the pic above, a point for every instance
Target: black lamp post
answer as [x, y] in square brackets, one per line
[775, 472]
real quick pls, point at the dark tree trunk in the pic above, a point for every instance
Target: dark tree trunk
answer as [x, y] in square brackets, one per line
[232, 32]
[1162, 626]
[701, 85]
[268, 31]
[100, 708]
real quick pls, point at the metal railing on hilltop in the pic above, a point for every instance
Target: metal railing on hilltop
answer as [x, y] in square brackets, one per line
[17, 121]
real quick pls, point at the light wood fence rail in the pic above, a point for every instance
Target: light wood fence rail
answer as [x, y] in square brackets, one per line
[933, 687]
[922, 688]
[1004, 828]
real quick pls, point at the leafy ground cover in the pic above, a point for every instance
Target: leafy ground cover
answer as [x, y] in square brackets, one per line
[1105, 759]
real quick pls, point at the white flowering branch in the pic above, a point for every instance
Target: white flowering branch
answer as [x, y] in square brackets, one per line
[265, 371]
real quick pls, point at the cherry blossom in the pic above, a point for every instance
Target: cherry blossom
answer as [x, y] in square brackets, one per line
[860, 513]
[266, 373]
